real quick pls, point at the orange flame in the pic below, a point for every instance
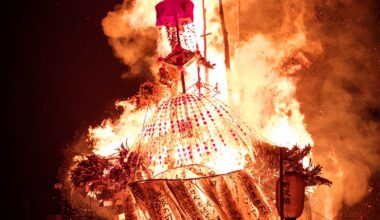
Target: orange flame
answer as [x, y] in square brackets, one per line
[261, 88]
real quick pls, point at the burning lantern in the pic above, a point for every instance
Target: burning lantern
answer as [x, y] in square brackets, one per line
[293, 195]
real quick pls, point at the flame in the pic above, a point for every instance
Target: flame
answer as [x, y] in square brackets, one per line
[261, 84]
[107, 137]
[267, 95]
[282, 134]
[286, 127]
[261, 87]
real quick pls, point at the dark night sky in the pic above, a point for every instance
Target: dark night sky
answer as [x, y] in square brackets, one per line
[61, 76]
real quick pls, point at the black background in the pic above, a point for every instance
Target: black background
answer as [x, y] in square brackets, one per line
[61, 77]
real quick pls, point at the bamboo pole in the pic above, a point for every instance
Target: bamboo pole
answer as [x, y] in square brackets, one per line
[207, 81]
[225, 36]
[226, 50]
[281, 185]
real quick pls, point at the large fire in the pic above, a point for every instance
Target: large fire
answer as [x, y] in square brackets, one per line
[262, 76]
[260, 85]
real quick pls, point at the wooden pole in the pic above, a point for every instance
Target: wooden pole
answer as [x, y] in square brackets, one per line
[226, 50]
[281, 186]
[177, 27]
[207, 80]
[225, 36]
[179, 45]
[183, 82]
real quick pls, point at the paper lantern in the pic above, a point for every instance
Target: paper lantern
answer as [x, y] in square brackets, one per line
[194, 131]
[294, 195]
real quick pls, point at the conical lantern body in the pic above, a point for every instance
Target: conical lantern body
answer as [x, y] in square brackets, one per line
[192, 135]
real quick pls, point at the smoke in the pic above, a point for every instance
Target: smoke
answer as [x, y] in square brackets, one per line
[324, 53]
[337, 88]
[339, 95]
[131, 32]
